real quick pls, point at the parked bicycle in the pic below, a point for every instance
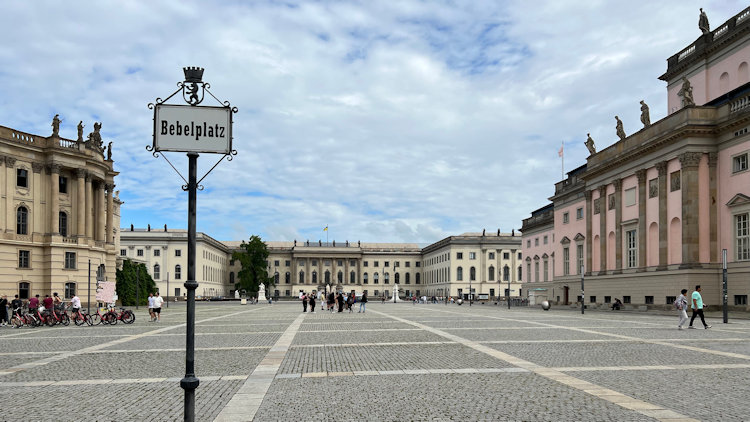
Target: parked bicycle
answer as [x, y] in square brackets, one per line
[125, 315]
[20, 319]
[80, 317]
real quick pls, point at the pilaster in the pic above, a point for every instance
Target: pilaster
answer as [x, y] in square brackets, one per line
[713, 223]
[54, 200]
[81, 203]
[589, 237]
[603, 229]
[108, 230]
[690, 209]
[618, 222]
[641, 175]
[10, 189]
[89, 207]
[661, 167]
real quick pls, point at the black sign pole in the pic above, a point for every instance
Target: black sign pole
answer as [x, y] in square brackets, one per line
[191, 382]
[724, 282]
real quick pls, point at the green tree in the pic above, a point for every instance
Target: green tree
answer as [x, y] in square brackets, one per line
[127, 285]
[253, 257]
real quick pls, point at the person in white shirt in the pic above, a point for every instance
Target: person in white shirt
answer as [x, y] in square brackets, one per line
[157, 306]
[151, 306]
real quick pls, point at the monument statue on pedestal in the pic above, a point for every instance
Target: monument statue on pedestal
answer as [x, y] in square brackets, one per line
[395, 293]
[262, 293]
[56, 125]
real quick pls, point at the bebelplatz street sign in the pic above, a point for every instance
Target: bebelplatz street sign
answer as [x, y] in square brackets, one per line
[189, 128]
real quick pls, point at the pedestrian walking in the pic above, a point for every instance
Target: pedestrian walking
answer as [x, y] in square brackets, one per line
[304, 303]
[350, 302]
[4, 310]
[681, 303]
[312, 303]
[697, 306]
[331, 301]
[363, 303]
[157, 306]
[151, 307]
[340, 300]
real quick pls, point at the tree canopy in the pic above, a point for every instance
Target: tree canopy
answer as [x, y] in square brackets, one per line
[127, 285]
[253, 258]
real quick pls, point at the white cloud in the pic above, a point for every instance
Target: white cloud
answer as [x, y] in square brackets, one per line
[388, 121]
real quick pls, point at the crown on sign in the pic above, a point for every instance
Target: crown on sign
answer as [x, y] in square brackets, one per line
[193, 73]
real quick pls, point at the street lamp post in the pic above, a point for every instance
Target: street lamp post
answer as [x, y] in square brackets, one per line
[137, 285]
[508, 292]
[724, 283]
[583, 307]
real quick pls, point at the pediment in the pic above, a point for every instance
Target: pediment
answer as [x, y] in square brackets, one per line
[739, 199]
[528, 259]
[536, 257]
[565, 240]
[579, 237]
[545, 256]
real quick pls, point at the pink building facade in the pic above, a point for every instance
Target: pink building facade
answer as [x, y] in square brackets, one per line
[652, 214]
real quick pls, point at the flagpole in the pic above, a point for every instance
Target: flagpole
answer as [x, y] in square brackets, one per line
[562, 155]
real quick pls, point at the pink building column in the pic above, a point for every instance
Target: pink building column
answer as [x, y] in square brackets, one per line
[641, 174]
[618, 223]
[603, 230]
[663, 240]
[589, 238]
[690, 210]
[713, 223]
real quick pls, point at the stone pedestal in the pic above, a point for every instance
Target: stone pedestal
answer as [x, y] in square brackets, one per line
[262, 294]
[395, 294]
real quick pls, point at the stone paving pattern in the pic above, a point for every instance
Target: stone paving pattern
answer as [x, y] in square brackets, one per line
[396, 362]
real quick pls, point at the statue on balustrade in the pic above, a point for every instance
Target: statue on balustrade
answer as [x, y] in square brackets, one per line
[80, 131]
[590, 144]
[56, 125]
[645, 117]
[703, 22]
[95, 138]
[620, 130]
[109, 151]
[686, 93]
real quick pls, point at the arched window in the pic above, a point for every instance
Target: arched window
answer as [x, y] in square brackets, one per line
[22, 220]
[340, 277]
[231, 278]
[287, 277]
[375, 278]
[70, 290]
[352, 277]
[385, 278]
[157, 271]
[407, 278]
[519, 273]
[23, 290]
[472, 274]
[177, 272]
[459, 274]
[491, 274]
[328, 277]
[63, 220]
[276, 278]
[416, 278]
[315, 277]
[396, 278]
[364, 278]
[506, 273]
[302, 277]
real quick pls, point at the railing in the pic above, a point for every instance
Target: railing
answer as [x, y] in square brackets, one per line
[73, 240]
[742, 17]
[739, 104]
[23, 137]
[686, 52]
[64, 143]
[23, 237]
[721, 31]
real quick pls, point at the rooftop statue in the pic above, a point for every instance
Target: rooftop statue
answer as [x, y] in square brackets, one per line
[703, 22]
[645, 118]
[80, 131]
[95, 137]
[620, 130]
[590, 144]
[56, 125]
[109, 151]
[686, 93]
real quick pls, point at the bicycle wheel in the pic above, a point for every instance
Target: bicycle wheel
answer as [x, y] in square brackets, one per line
[111, 318]
[88, 320]
[128, 317]
[96, 319]
[78, 319]
[16, 322]
[50, 320]
[65, 320]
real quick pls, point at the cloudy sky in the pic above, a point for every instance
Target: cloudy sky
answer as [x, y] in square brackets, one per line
[392, 121]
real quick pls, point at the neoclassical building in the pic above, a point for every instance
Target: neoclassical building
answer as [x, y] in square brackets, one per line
[651, 214]
[164, 252]
[58, 213]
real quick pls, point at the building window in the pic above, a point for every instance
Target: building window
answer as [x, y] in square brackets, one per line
[566, 261]
[177, 272]
[276, 278]
[314, 277]
[670, 300]
[653, 188]
[506, 255]
[375, 279]
[301, 277]
[546, 237]
[536, 241]
[352, 277]
[631, 242]
[288, 278]
[579, 258]
[491, 255]
[739, 163]
[629, 197]
[178, 252]
[157, 252]
[407, 264]
[607, 299]
[23, 290]
[231, 278]
[472, 255]
[611, 201]
[364, 278]
[139, 252]
[459, 274]
[566, 218]
[407, 278]
[287, 263]
[626, 299]
[459, 255]
[70, 290]
[24, 259]
[740, 300]
[63, 184]
[416, 278]
[157, 272]
[22, 221]
[742, 236]
[340, 277]
[491, 273]
[674, 181]
[546, 270]
[506, 273]
[276, 263]
[22, 178]
[386, 278]
[417, 264]
[649, 300]
[123, 252]
[536, 271]
[375, 263]
[528, 243]
[70, 260]
[579, 213]
[592, 299]
[472, 274]
[63, 223]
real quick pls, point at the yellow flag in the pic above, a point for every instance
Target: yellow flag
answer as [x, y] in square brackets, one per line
[325, 229]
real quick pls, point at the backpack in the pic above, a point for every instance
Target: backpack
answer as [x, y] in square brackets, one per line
[677, 304]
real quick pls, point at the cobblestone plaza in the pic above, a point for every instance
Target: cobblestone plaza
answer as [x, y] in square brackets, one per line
[395, 362]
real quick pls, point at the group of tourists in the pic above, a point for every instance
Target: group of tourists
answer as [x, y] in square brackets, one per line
[154, 306]
[33, 305]
[332, 300]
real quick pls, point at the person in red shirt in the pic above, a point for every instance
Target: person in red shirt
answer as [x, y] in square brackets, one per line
[47, 302]
[33, 303]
